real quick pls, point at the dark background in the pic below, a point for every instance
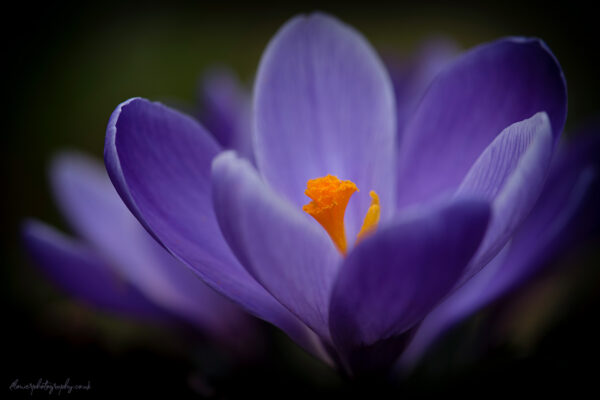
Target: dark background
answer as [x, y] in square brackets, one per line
[68, 65]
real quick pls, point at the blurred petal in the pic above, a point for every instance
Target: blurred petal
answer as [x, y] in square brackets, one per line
[159, 161]
[468, 104]
[93, 207]
[226, 111]
[412, 77]
[82, 273]
[564, 214]
[389, 282]
[324, 105]
[293, 258]
[172, 284]
[510, 174]
[88, 200]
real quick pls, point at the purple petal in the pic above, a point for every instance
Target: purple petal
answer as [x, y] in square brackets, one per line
[159, 161]
[293, 258]
[566, 211]
[226, 111]
[469, 104]
[452, 310]
[81, 272]
[510, 174]
[563, 215]
[324, 105]
[91, 204]
[389, 282]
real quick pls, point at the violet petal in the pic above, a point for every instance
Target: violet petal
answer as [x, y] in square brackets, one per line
[468, 104]
[510, 173]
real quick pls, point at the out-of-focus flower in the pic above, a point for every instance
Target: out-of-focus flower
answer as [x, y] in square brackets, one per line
[225, 110]
[412, 74]
[115, 265]
[470, 164]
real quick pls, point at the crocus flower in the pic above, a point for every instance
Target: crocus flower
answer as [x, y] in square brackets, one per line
[425, 217]
[116, 266]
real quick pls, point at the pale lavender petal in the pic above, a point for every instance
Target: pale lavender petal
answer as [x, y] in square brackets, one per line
[159, 161]
[323, 104]
[93, 207]
[226, 110]
[82, 273]
[391, 280]
[293, 258]
[510, 174]
[564, 214]
[468, 104]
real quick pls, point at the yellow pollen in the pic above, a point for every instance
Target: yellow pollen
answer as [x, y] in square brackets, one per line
[371, 219]
[330, 196]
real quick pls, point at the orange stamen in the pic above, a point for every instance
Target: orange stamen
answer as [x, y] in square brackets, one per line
[330, 197]
[371, 219]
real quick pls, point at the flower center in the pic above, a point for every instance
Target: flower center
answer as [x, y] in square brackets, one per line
[330, 196]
